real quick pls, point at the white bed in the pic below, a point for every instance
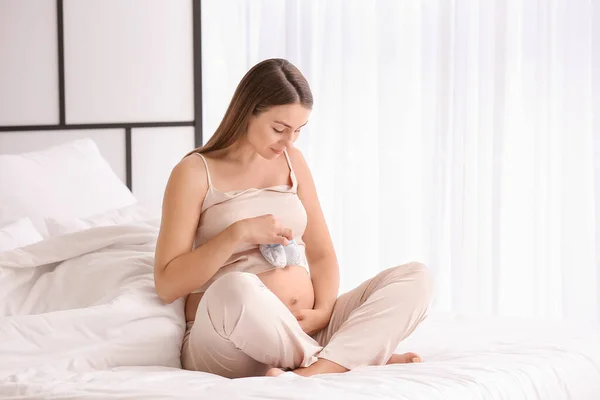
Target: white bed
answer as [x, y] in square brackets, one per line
[79, 319]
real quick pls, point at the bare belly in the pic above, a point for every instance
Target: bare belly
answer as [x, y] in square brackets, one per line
[292, 285]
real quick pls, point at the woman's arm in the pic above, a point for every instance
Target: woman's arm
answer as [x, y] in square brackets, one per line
[177, 269]
[320, 253]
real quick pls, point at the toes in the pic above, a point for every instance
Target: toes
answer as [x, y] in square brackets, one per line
[413, 357]
[405, 358]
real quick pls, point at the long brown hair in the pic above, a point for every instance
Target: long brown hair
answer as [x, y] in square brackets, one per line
[271, 82]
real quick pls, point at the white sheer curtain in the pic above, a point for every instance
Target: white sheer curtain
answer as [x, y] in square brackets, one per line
[465, 134]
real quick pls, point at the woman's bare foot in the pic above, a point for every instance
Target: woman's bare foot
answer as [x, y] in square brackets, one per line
[322, 366]
[274, 372]
[404, 358]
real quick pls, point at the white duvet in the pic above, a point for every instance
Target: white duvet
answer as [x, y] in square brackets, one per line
[86, 301]
[79, 319]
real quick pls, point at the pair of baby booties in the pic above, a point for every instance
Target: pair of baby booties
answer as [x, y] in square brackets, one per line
[281, 256]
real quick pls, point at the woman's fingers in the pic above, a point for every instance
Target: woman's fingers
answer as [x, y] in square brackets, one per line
[287, 233]
[280, 240]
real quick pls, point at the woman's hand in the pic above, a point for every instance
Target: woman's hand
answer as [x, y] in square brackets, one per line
[265, 229]
[312, 320]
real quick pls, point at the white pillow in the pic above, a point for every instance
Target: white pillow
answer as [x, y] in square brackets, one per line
[6, 217]
[18, 234]
[71, 180]
[117, 216]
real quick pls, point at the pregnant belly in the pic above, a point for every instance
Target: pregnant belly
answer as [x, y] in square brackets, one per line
[291, 285]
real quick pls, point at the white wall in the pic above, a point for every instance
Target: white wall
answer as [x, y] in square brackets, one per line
[124, 61]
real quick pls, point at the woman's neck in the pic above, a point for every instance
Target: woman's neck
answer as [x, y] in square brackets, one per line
[241, 152]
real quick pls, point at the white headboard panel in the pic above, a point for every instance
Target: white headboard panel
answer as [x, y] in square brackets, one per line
[29, 63]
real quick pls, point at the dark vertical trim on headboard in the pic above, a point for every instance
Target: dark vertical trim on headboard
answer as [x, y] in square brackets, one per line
[61, 62]
[197, 27]
[128, 170]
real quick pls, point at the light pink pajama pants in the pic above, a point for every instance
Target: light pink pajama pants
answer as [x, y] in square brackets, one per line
[242, 329]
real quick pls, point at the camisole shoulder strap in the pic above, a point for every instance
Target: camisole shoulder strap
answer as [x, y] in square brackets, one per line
[292, 174]
[207, 170]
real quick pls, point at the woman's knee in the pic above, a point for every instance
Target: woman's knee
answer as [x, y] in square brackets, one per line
[233, 288]
[418, 276]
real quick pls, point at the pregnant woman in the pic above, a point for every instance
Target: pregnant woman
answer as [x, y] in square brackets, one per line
[249, 186]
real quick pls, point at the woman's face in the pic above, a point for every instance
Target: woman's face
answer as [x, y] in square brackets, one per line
[276, 129]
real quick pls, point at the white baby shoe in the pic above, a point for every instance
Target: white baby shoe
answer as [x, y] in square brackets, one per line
[274, 254]
[281, 256]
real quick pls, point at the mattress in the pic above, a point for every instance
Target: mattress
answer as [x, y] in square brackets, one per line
[465, 358]
[79, 319]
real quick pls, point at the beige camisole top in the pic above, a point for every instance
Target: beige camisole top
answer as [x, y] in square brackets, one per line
[221, 209]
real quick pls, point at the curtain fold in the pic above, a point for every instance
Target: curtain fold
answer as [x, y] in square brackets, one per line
[464, 134]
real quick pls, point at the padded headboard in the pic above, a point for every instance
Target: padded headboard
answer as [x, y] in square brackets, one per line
[170, 22]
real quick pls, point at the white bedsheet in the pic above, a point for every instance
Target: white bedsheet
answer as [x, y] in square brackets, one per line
[79, 320]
